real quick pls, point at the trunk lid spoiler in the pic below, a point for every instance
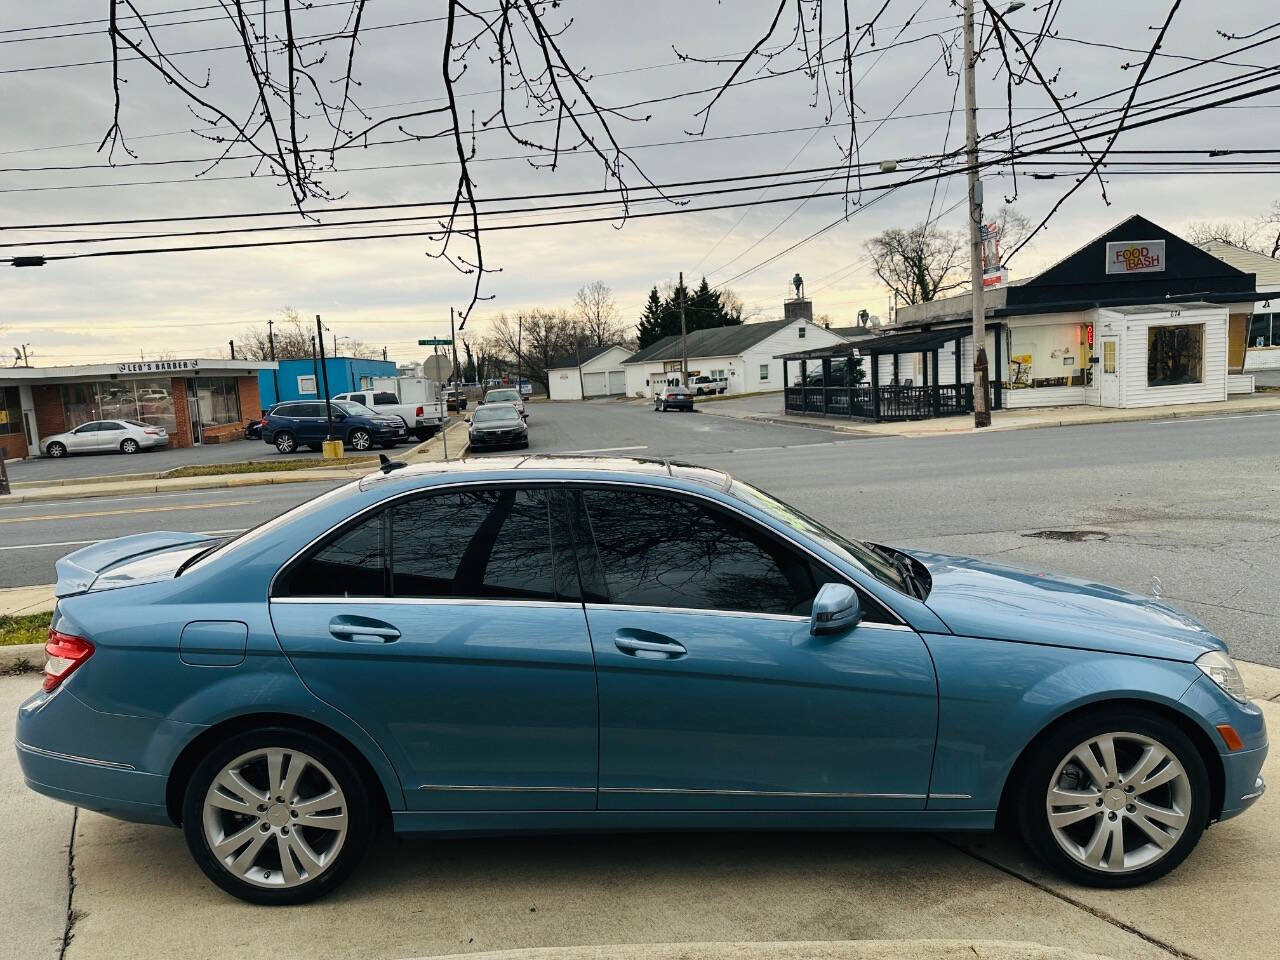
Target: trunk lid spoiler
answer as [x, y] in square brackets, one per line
[78, 571]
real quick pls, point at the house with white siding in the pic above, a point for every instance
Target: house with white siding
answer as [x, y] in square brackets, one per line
[1136, 317]
[591, 372]
[745, 354]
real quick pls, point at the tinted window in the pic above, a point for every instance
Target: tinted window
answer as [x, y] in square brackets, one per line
[670, 551]
[476, 544]
[385, 398]
[108, 425]
[352, 565]
[287, 410]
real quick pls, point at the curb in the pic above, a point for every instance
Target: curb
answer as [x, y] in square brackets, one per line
[792, 950]
[150, 483]
[21, 658]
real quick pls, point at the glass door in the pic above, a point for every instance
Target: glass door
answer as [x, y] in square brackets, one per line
[193, 411]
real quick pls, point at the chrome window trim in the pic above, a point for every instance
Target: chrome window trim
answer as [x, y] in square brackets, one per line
[707, 611]
[950, 796]
[56, 755]
[432, 601]
[565, 481]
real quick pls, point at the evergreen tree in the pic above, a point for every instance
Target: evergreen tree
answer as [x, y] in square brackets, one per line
[650, 326]
[705, 309]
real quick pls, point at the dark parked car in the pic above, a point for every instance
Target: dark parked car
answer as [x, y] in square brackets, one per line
[674, 397]
[303, 423]
[499, 425]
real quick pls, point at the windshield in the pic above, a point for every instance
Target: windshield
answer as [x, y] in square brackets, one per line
[499, 396]
[353, 409]
[855, 551]
[503, 412]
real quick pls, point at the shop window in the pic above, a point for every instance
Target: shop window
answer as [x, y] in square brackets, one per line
[764, 371]
[219, 401]
[1108, 356]
[1264, 330]
[10, 411]
[1175, 355]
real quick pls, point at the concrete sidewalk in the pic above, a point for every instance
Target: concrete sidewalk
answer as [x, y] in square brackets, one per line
[429, 451]
[794, 950]
[769, 410]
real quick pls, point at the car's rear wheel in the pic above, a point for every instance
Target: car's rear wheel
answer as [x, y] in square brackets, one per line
[1115, 799]
[56, 449]
[286, 442]
[277, 816]
[360, 440]
[128, 445]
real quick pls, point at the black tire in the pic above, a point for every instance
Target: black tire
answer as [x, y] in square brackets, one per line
[360, 439]
[129, 445]
[56, 450]
[1046, 753]
[360, 812]
[285, 441]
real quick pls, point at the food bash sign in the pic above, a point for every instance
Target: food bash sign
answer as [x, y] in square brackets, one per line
[1135, 256]
[160, 366]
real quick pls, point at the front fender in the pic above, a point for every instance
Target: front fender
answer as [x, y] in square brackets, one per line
[996, 696]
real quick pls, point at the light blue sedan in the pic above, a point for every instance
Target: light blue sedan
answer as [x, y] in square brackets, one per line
[557, 644]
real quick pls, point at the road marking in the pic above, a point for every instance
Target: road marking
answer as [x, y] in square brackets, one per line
[1235, 416]
[605, 450]
[82, 543]
[116, 513]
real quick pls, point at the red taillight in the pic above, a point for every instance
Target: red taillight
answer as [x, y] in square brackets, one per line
[262, 422]
[65, 653]
[419, 412]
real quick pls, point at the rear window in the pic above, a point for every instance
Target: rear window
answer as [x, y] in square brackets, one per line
[385, 398]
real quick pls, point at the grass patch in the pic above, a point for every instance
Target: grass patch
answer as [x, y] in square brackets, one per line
[24, 628]
[263, 466]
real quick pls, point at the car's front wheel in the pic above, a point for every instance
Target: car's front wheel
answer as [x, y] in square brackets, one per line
[56, 449]
[360, 440]
[1115, 799]
[277, 816]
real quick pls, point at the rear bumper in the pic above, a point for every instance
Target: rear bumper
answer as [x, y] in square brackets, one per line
[86, 782]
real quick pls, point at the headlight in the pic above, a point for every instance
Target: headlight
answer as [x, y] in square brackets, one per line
[1221, 669]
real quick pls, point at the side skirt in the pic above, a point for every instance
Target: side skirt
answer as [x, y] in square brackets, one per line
[609, 821]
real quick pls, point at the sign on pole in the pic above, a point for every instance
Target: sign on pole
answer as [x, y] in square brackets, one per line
[436, 342]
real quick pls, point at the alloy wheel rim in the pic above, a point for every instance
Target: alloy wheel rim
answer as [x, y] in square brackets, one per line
[1118, 802]
[285, 443]
[275, 818]
[360, 441]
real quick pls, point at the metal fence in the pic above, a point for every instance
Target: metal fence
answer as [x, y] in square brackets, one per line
[896, 402]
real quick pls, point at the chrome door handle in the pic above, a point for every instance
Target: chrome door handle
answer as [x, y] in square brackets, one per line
[364, 632]
[628, 644]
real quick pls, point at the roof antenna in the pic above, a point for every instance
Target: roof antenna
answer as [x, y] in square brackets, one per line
[386, 464]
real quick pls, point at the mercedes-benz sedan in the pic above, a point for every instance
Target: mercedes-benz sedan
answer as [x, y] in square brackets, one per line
[557, 644]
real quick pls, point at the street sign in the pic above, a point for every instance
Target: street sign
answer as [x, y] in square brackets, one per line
[436, 342]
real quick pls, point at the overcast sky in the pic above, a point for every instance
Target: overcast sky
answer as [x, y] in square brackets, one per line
[387, 292]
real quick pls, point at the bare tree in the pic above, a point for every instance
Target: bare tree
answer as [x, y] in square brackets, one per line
[292, 336]
[1261, 234]
[292, 103]
[535, 338]
[920, 263]
[597, 313]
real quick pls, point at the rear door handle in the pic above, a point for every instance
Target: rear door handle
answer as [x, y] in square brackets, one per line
[362, 630]
[641, 642]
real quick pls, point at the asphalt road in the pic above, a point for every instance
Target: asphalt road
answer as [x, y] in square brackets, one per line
[1195, 502]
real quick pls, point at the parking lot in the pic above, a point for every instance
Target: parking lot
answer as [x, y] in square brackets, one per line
[1120, 503]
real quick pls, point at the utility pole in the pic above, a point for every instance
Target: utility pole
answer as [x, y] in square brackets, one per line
[335, 343]
[315, 366]
[453, 345]
[324, 373]
[519, 348]
[684, 338]
[981, 383]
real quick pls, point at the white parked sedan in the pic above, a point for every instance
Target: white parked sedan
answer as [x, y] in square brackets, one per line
[122, 436]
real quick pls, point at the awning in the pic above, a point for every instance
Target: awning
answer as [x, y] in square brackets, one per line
[889, 343]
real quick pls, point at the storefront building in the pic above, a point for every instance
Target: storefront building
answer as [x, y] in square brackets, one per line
[196, 401]
[1137, 317]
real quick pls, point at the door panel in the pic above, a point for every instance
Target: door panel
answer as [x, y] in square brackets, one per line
[449, 626]
[481, 697]
[758, 714]
[713, 692]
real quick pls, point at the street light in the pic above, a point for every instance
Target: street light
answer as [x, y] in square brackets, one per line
[1014, 7]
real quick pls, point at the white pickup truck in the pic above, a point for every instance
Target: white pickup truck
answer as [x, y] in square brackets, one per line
[422, 419]
[703, 385]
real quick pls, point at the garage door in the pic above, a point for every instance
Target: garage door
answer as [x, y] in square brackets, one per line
[617, 381]
[594, 384]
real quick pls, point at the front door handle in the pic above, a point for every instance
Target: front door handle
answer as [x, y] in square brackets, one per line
[641, 642]
[362, 630]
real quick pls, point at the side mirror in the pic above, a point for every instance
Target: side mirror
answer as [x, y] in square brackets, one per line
[338, 416]
[835, 610]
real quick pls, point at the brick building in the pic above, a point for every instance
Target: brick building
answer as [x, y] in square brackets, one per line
[197, 401]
